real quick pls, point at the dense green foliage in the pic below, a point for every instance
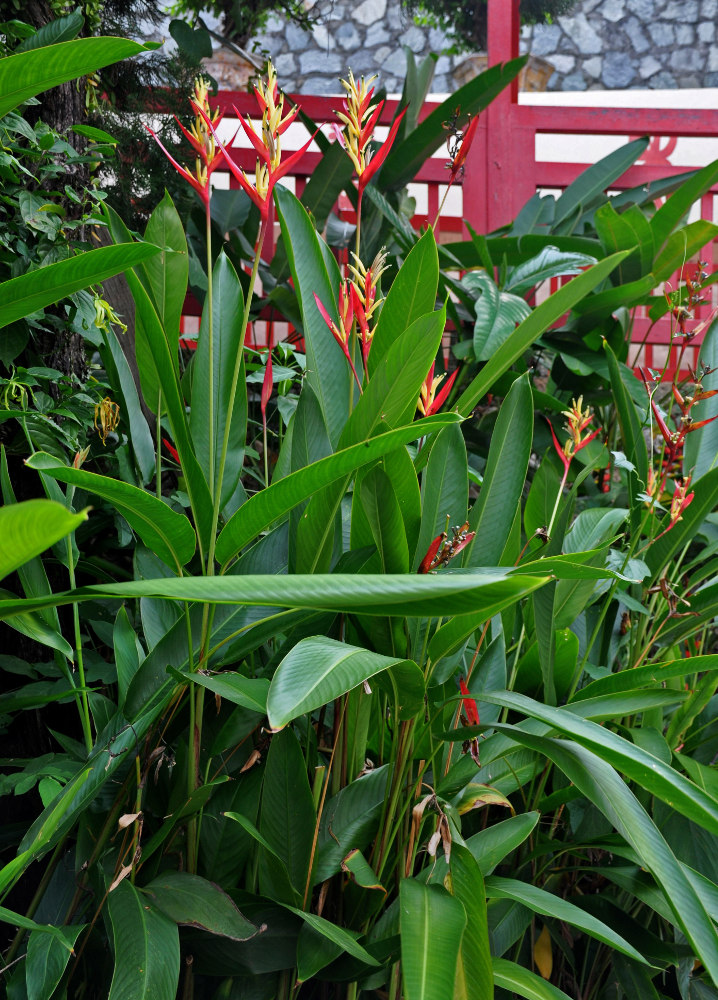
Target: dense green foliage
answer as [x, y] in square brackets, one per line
[352, 681]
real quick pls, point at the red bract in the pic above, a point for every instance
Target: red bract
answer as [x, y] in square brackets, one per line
[470, 707]
[426, 562]
[360, 118]
[201, 138]
[342, 332]
[172, 450]
[429, 402]
[457, 161]
[578, 421]
[270, 168]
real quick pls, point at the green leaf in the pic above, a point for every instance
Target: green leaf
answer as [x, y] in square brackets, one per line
[597, 178]
[445, 489]
[653, 675]
[211, 390]
[388, 400]
[30, 527]
[349, 821]
[336, 934]
[277, 500]
[166, 532]
[550, 905]
[648, 771]
[195, 42]
[146, 943]
[681, 246]
[412, 294]
[21, 296]
[444, 594]
[492, 515]
[670, 213]
[406, 158]
[700, 447]
[473, 970]
[165, 365]
[381, 507]
[497, 314]
[517, 979]
[25, 74]
[626, 231]
[549, 263]
[249, 692]
[165, 278]
[120, 377]
[288, 816]
[327, 369]
[47, 958]
[315, 672]
[432, 923]
[606, 790]
[532, 327]
[193, 901]
[61, 29]
[127, 655]
[496, 842]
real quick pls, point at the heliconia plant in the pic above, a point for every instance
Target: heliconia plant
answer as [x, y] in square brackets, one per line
[414, 711]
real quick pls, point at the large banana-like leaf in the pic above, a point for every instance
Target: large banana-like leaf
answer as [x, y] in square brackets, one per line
[648, 771]
[533, 326]
[21, 296]
[318, 670]
[30, 527]
[147, 955]
[406, 594]
[277, 500]
[163, 530]
[26, 74]
[432, 923]
[605, 789]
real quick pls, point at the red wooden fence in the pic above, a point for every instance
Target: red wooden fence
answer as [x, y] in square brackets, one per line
[503, 170]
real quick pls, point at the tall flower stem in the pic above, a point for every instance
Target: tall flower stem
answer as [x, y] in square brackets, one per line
[197, 693]
[210, 333]
[232, 396]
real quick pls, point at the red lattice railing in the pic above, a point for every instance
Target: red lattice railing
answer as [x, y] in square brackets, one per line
[505, 168]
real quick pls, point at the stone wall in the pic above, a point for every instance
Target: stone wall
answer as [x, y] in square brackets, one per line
[626, 44]
[365, 36]
[604, 44]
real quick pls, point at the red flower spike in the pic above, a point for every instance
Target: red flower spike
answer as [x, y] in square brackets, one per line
[460, 158]
[432, 551]
[429, 402]
[466, 540]
[201, 189]
[470, 707]
[700, 423]
[668, 437]
[559, 449]
[381, 154]
[172, 450]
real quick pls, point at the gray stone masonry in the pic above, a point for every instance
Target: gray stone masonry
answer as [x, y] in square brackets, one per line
[601, 45]
[641, 43]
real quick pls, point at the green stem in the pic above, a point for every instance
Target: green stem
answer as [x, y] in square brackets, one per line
[232, 395]
[85, 713]
[210, 326]
[558, 498]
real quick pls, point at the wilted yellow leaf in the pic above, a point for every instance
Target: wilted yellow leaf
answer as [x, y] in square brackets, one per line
[543, 957]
